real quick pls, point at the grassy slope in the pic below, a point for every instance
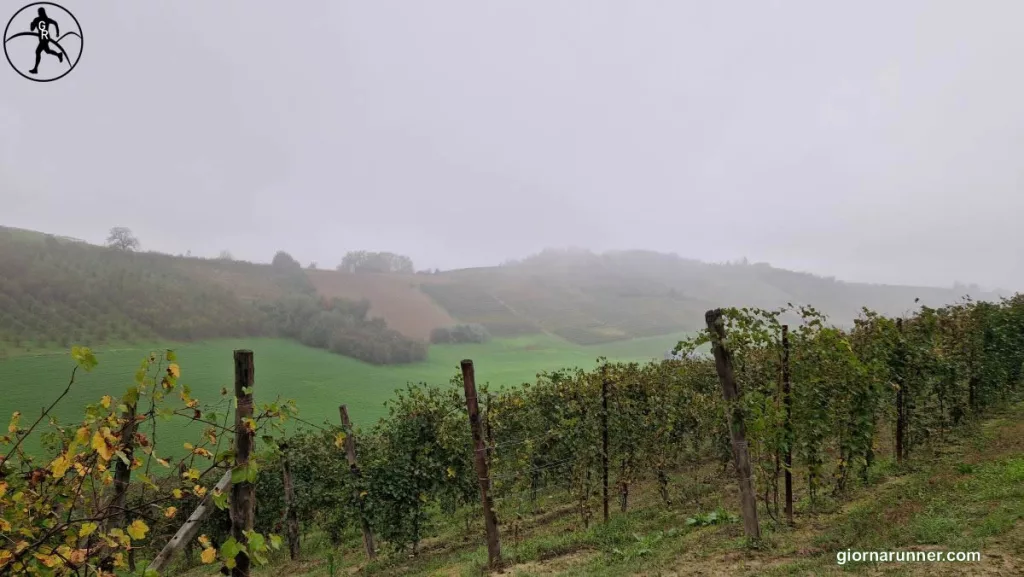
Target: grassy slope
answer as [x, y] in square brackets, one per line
[393, 297]
[318, 380]
[969, 497]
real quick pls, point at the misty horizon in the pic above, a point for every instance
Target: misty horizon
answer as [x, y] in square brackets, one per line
[877, 144]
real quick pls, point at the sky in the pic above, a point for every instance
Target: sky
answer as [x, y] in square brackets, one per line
[874, 141]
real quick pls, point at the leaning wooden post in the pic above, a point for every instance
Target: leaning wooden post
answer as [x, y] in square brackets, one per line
[787, 399]
[350, 452]
[480, 458]
[243, 493]
[190, 529]
[291, 515]
[604, 438]
[737, 428]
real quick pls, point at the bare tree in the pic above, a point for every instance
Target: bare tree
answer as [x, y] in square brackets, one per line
[121, 238]
[226, 255]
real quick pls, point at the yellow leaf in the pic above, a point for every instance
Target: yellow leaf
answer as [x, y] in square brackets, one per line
[170, 512]
[86, 529]
[163, 462]
[199, 490]
[5, 557]
[188, 446]
[177, 493]
[204, 541]
[13, 426]
[3, 488]
[138, 529]
[100, 444]
[5, 525]
[174, 369]
[339, 440]
[209, 555]
[451, 473]
[60, 466]
[82, 436]
[363, 494]
[48, 560]
[105, 401]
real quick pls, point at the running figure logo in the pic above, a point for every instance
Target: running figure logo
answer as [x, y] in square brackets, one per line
[45, 29]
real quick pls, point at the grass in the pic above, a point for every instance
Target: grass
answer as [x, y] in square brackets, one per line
[968, 497]
[319, 381]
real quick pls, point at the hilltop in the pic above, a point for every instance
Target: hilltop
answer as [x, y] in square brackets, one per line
[56, 290]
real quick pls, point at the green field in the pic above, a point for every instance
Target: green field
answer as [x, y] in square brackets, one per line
[319, 381]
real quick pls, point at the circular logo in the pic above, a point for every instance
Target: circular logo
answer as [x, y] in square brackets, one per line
[43, 41]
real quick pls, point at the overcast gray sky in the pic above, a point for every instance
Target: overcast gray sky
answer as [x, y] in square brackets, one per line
[876, 140]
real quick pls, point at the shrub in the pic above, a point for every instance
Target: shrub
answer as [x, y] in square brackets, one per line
[466, 333]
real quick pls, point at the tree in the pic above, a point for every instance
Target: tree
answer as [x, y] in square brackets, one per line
[121, 238]
[225, 255]
[284, 260]
[383, 262]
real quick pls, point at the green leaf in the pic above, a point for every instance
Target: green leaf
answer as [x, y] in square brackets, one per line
[84, 357]
[256, 541]
[238, 474]
[220, 500]
[170, 356]
[231, 549]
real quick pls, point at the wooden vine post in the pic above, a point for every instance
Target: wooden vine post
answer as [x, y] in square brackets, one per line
[604, 438]
[737, 428]
[243, 493]
[787, 400]
[350, 453]
[291, 515]
[480, 459]
[122, 470]
[901, 385]
[190, 528]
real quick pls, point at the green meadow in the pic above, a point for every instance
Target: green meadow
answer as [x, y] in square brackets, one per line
[317, 380]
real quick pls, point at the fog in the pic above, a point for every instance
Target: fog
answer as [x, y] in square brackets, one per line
[874, 141]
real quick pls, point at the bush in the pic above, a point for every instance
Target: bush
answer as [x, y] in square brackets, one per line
[341, 326]
[468, 333]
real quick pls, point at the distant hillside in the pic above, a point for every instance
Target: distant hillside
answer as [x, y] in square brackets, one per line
[55, 291]
[590, 298]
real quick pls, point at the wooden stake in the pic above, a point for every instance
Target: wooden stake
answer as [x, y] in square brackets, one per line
[480, 458]
[737, 428]
[787, 399]
[243, 494]
[350, 452]
[901, 406]
[190, 528]
[291, 516]
[604, 438]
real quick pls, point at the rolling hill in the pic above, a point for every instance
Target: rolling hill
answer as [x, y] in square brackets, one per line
[55, 290]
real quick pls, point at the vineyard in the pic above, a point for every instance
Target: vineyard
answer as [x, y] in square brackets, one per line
[792, 412]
